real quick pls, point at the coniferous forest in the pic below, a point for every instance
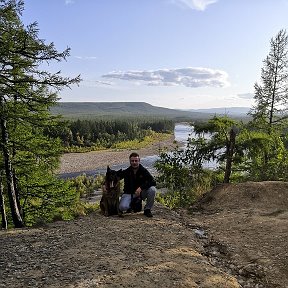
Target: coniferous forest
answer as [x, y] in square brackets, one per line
[84, 135]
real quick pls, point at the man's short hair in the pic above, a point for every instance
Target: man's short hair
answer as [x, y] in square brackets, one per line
[134, 154]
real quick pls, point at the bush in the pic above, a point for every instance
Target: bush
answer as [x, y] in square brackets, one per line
[185, 183]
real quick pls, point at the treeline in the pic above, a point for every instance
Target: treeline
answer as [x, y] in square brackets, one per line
[99, 133]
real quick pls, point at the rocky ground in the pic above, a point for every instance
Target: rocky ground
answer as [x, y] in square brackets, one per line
[235, 236]
[98, 251]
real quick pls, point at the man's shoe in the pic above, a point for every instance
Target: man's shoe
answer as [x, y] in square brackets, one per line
[129, 210]
[148, 213]
[120, 214]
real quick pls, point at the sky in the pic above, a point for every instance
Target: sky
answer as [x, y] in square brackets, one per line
[180, 54]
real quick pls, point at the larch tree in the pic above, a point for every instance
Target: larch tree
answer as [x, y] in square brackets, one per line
[27, 92]
[269, 115]
[271, 96]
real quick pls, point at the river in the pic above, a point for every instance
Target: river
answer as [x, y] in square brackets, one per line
[181, 131]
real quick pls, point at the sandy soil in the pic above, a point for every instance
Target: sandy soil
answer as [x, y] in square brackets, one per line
[236, 236]
[98, 251]
[78, 162]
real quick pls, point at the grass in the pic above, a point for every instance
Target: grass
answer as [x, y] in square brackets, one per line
[136, 144]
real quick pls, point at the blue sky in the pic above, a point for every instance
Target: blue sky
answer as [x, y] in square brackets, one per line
[183, 54]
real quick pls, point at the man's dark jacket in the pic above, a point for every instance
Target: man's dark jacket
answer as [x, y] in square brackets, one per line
[132, 181]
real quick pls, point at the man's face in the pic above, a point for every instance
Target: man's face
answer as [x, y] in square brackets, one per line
[134, 162]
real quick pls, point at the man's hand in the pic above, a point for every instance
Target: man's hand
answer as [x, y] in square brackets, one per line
[138, 191]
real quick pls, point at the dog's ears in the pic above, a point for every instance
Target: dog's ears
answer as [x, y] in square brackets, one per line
[108, 168]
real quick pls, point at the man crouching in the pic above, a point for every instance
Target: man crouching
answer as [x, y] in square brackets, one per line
[138, 182]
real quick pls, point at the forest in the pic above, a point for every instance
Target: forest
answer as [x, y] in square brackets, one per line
[87, 135]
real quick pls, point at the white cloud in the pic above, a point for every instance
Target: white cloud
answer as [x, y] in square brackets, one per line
[246, 96]
[195, 4]
[192, 77]
[67, 2]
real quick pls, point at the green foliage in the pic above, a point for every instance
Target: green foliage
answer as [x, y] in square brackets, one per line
[44, 198]
[266, 156]
[85, 185]
[47, 200]
[271, 94]
[147, 140]
[27, 93]
[88, 135]
[85, 208]
[255, 151]
[217, 142]
[185, 180]
[267, 150]
[257, 156]
[51, 199]
[170, 199]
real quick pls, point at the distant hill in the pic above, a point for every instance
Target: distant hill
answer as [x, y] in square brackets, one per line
[229, 111]
[124, 109]
[88, 110]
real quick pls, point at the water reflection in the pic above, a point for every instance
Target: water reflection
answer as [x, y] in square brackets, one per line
[182, 131]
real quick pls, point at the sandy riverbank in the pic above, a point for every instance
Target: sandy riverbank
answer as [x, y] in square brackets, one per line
[77, 162]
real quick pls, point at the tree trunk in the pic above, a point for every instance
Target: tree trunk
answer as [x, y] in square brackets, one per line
[229, 155]
[15, 211]
[2, 204]
[17, 193]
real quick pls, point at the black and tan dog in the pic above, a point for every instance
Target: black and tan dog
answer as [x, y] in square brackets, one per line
[109, 203]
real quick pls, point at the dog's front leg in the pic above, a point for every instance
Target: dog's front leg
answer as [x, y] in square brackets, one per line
[119, 212]
[106, 210]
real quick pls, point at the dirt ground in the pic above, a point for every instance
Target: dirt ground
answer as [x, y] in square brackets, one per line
[96, 251]
[249, 224]
[235, 236]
